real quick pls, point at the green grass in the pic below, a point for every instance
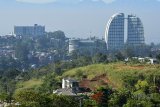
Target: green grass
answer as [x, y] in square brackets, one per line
[33, 83]
[114, 71]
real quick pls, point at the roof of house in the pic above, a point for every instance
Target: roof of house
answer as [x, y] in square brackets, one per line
[65, 91]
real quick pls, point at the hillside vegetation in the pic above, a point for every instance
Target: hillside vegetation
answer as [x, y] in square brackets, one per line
[113, 85]
[33, 83]
[115, 72]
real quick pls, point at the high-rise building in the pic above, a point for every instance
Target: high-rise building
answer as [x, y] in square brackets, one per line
[135, 31]
[35, 30]
[114, 34]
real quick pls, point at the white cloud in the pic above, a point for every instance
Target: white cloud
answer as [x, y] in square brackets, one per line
[36, 1]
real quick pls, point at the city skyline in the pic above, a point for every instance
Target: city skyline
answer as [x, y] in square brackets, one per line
[78, 18]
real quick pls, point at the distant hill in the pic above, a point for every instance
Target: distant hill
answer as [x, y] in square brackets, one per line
[115, 72]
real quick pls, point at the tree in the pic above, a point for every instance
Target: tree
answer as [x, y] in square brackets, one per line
[21, 51]
[57, 35]
[129, 51]
[130, 81]
[119, 56]
[63, 101]
[101, 96]
[100, 58]
[142, 85]
[137, 103]
[89, 103]
[28, 98]
[3, 96]
[42, 43]
[153, 89]
[49, 84]
[119, 98]
[155, 99]
[11, 73]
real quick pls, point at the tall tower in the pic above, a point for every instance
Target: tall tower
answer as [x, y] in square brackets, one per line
[135, 31]
[114, 34]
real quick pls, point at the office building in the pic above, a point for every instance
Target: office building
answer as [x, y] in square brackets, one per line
[135, 31]
[114, 34]
[36, 30]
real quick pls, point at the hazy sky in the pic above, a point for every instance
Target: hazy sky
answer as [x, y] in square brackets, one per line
[78, 18]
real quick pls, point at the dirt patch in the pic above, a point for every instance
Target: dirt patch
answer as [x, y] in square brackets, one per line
[94, 83]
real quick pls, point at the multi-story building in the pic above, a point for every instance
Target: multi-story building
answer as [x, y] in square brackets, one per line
[114, 34]
[115, 31]
[36, 30]
[87, 46]
[73, 45]
[135, 31]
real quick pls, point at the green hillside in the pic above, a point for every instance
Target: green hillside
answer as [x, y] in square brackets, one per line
[118, 84]
[33, 83]
[116, 72]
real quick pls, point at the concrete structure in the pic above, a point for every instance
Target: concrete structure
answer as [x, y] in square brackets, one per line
[73, 45]
[135, 31]
[69, 83]
[69, 87]
[114, 34]
[87, 46]
[36, 30]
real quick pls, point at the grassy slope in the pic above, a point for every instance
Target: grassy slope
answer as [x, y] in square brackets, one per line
[29, 84]
[115, 71]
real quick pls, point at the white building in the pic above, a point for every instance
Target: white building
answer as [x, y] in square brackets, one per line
[69, 83]
[69, 87]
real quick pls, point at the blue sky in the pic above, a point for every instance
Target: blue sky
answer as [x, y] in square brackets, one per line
[78, 18]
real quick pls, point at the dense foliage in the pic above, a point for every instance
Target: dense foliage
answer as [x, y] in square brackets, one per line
[130, 84]
[30, 98]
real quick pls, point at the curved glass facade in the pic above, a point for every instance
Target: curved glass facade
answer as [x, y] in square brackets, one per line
[114, 34]
[135, 31]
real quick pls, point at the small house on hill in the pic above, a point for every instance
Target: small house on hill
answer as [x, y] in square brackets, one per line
[69, 87]
[72, 87]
